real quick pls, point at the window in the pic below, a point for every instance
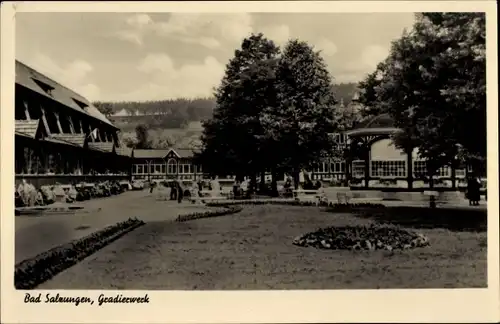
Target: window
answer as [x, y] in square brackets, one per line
[163, 168]
[140, 168]
[157, 168]
[321, 168]
[419, 168]
[358, 169]
[172, 166]
[80, 104]
[185, 168]
[444, 171]
[460, 173]
[388, 169]
[44, 86]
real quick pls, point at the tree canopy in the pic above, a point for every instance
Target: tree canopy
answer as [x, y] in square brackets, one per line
[433, 84]
[275, 111]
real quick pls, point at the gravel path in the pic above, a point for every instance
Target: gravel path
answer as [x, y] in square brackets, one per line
[36, 234]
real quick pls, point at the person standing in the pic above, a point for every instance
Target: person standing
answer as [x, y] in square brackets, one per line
[180, 191]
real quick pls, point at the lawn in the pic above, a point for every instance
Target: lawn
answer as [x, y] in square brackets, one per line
[253, 250]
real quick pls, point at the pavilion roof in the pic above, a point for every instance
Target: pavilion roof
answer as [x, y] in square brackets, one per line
[377, 125]
[75, 139]
[45, 86]
[27, 128]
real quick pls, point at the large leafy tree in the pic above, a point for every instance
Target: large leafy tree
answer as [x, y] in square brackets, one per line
[298, 127]
[231, 140]
[433, 85]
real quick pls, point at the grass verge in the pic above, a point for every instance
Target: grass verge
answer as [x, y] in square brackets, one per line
[34, 271]
[254, 250]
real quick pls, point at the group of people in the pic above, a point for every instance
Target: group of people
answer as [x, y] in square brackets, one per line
[473, 191]
[178, 189]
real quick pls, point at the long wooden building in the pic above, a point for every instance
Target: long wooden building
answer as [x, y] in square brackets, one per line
[60, 136]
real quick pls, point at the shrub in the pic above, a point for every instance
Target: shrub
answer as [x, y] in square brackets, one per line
[34, 271]
[227, 210]
[331, 206]
[374, 237]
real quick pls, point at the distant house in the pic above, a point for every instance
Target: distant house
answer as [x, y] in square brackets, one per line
[121, 113]
[165, 164]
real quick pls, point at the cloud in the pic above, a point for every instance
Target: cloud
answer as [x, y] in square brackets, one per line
[280, 34]
[372, 55]
[130, 36]
[208, 30]
[170, 81]
[359, 67]
[139, 21]
[74, 75]
[327, 47]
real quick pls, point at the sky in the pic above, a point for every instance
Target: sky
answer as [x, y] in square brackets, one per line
[155, 56]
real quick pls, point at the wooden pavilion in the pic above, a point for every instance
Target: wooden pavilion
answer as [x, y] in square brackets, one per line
[61, 137]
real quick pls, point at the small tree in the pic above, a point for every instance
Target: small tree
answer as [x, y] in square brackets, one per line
[142, 135]
[105, 108]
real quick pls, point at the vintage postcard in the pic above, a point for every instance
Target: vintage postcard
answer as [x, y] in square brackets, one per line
[249, 162]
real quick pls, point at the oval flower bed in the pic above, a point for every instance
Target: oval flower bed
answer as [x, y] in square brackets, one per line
[374, 237]
[34, 271]
[226, 210]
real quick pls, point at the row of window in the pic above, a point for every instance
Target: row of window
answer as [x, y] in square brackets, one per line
[40, 161]
[397, 169]
[333, 167]
[168, 168]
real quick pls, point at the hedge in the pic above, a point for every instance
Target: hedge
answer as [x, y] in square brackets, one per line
[227, 210]
[331, 206]
[34, 271]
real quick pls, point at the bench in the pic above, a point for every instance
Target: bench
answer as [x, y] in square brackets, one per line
[317, 195]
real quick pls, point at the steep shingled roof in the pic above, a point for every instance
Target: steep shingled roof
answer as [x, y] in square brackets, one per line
[102, 146]
[161, 153]
[35, 81]
[76, 139]
[380, 121]
[124, 151]
[27, 127]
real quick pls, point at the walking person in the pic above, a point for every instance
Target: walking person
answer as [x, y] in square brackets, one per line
[152, 186]
[180, 191]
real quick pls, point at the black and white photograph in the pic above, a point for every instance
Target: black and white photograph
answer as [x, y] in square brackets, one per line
[249, 151]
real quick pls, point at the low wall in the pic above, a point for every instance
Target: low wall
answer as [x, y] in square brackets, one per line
[44, 180]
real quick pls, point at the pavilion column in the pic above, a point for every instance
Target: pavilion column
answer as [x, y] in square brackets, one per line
[71, 126]
[58, 123]
[453, 175]
[45, 122]
[409, 167]
[26, 111]
[367, 162]
[90, 134]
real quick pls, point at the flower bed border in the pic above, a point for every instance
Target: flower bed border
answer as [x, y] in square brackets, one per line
[32, 272]
[226, 210]
[331, 207]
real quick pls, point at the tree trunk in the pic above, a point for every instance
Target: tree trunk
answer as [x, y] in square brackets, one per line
[274, 184]
[253, 182]
[296, 178]
[431, 180]
[262, 185]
